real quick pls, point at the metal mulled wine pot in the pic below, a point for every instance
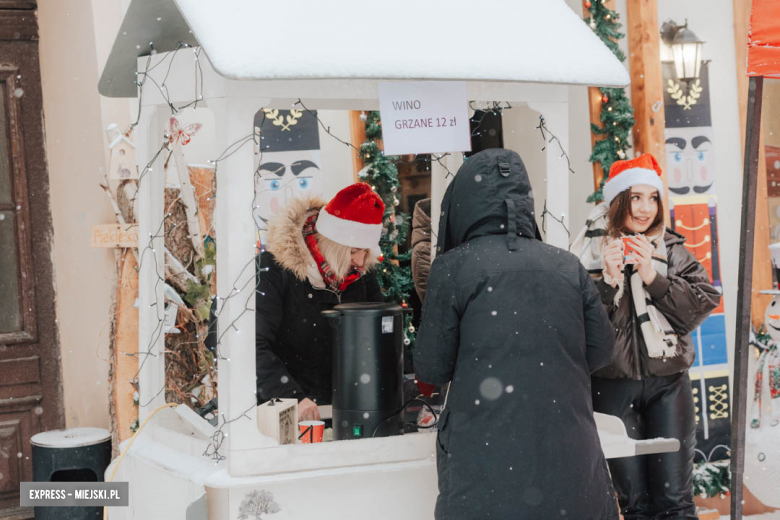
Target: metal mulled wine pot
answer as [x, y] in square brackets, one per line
[368, 360]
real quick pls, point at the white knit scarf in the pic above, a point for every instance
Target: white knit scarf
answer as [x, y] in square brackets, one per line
[659, 336]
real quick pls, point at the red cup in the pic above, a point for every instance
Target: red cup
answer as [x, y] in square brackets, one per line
[628, 250]
[310, 431]
[425, 388]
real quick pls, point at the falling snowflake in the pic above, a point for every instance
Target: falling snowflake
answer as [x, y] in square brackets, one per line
[491, 389]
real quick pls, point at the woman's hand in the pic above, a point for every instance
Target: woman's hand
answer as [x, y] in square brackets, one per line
[613, 258]
[643, 252]
[308, 411]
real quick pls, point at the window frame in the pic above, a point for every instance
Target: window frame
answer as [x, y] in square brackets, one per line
[21, 206]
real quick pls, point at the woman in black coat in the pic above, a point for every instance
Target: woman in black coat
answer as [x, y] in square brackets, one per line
[317, 256]
[517, 326]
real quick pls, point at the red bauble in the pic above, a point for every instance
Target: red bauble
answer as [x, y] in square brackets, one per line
[604, 99]
[404, 305]
[380, 258]
[587, 4]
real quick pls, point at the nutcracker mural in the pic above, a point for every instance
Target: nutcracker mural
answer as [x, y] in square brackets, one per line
[693, 201]
[288, 161]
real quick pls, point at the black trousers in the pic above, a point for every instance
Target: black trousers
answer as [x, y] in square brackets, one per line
[652, 486]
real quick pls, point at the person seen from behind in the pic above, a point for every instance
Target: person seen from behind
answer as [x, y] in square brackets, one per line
[517, 326]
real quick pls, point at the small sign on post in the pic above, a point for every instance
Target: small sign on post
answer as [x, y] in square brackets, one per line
[115, 235]
[424, 117]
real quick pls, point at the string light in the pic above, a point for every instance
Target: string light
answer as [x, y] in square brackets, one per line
[151, 252]
[546, 132]
[213, 449]
[560, 220]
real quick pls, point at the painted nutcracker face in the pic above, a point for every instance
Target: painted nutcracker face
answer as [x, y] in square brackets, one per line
[689, 161]
[290, 164]
[772, 318]
[283, 176]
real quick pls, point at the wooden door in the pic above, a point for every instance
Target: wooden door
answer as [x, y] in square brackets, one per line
[30, 381]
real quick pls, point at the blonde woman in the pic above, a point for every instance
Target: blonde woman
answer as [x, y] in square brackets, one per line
[318, 255]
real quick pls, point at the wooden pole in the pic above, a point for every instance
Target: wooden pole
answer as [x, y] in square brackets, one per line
[594, 103]
[357, 136]
[647, 94]
[125, 346]
[762, 264]
[745, 283]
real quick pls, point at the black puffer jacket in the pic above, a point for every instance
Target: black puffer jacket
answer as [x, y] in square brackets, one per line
[293, 342]
[685, 296]
[517, 326]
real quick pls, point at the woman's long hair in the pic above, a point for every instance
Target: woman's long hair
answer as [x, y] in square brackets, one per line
[340, 257]
[620, 210]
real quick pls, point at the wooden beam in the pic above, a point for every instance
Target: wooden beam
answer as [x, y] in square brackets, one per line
[125, 365]
[594, 103]
[647, 94]
[357, 136]
[762, 264]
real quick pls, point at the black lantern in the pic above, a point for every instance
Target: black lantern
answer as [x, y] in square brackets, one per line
[686, 50]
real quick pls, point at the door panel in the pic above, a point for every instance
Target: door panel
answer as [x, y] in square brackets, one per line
[30, 380]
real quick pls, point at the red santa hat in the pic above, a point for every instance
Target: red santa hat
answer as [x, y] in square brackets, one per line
[624, 174]
[353, 218]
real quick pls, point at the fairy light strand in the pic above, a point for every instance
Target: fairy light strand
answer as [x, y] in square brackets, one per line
[149, 254]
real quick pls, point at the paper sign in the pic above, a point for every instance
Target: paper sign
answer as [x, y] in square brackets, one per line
[115, 235]
[424, 117]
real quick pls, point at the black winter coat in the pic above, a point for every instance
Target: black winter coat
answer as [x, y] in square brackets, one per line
[293, 340]
[685, 296]
[517, 326]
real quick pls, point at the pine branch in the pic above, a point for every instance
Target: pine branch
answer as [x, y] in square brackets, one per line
[617, 114]
[394, 273]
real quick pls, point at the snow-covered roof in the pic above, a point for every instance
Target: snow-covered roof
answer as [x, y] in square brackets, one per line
[490, 40]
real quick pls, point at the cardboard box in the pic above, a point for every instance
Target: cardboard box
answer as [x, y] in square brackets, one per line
[278, 419]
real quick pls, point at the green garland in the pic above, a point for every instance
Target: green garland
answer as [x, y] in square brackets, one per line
[395, 272]
[617, 114]
[712, 479]
[763, 337]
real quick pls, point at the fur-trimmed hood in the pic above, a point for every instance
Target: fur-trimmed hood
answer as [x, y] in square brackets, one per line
[285, 240]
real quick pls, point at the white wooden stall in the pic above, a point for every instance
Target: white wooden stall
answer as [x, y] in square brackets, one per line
[247, 60]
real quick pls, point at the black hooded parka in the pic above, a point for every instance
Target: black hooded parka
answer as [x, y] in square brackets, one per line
[517, 326]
